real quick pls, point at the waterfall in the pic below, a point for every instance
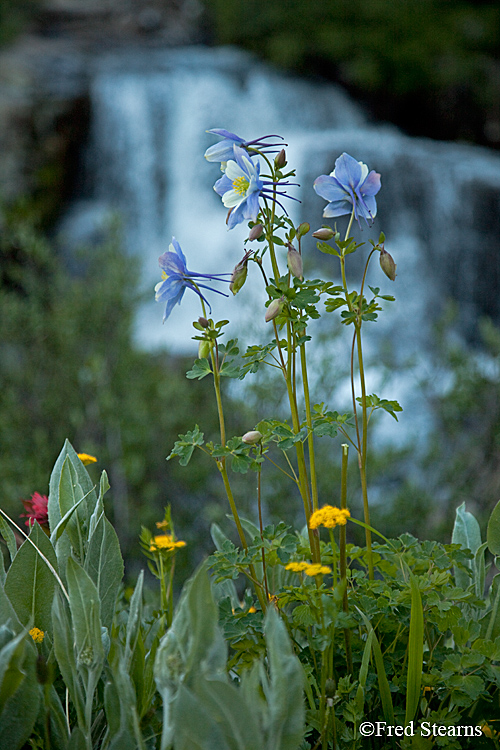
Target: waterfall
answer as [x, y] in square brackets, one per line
[439, 205]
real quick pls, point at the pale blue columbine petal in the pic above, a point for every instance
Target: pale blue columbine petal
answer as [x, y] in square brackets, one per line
[177, 278]
[349, 187]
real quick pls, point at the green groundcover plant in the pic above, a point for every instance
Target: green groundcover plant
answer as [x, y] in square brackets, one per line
[293, 638]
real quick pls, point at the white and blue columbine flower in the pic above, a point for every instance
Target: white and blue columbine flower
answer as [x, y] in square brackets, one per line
[223, 151]
[350, 186]
[177, 278]
[241, 187]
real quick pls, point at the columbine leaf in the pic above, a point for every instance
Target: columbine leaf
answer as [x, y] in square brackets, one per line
[201, 368]
[184, 448]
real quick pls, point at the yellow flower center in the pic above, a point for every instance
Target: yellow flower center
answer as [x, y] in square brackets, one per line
[240, 184]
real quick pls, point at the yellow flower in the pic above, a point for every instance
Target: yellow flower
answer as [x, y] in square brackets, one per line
[296, 567]
[309, 569]
[37, 635]
[329, 516]
[86, 459]
[166, 542]
[251, 610]
[316, 570]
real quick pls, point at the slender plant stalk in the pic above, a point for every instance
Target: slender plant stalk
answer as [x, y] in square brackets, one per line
[343, 555]
[310, 436]
[221, 465]
[261, 526]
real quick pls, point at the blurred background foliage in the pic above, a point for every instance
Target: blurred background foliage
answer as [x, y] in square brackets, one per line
[430, 66]
[69, 366]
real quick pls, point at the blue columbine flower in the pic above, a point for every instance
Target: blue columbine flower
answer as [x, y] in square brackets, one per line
[223, 151]
[349, 186]
[241, 187]
[177, 278]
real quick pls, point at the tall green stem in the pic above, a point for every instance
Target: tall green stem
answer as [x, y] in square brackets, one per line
[343, 555]
[310, 437]
[221, 465]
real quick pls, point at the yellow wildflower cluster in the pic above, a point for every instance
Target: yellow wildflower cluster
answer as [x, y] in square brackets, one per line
[329, 516]
[37, 635]
[310, 569]
[166, 542]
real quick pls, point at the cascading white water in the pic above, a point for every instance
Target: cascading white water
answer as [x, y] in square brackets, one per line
[439, 204]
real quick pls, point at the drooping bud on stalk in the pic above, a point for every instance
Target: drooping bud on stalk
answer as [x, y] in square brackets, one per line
[252, 437]
[387, 264]
[239, 276]
[255, 232]
[203, 322]
[274, 309]
[325, 233]
[303, 229]
[203, 349]
[294, 263]
[280, 159]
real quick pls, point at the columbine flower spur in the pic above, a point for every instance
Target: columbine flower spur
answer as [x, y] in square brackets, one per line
[223, 151]
[177, 278]
[350, 186]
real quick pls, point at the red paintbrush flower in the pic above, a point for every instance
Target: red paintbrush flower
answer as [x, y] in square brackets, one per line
[36, 509]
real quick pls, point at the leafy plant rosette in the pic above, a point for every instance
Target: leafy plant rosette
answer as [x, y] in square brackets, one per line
[294, 638]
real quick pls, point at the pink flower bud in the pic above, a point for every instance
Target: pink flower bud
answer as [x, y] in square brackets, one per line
[325, 233]
[203, 322]
[294, 263]
[387, 264]
[274, 309]
[280, 159]
[255, 232]
[252, 437]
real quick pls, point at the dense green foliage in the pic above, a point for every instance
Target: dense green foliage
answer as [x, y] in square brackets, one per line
[431, 66]
[69, 366]
[86, 666]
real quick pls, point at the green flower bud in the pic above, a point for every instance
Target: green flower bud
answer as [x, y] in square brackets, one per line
[274, 309]
[387, 264]
[280, 159]
[239, 276]
[294, 263]
[252, 437]
[255, 232]
[303, 229]
[325, 234]
[203, 349]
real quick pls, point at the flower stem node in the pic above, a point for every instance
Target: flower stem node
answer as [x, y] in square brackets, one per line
[255, 232]
[274, 309]
[325, 234]
[252, 437]
[387, 264]
[294, 263]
